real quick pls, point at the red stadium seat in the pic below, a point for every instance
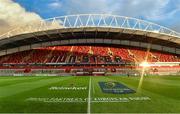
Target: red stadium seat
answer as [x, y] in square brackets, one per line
[90, 54]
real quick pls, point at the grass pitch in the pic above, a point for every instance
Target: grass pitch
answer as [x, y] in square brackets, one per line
[35, 94]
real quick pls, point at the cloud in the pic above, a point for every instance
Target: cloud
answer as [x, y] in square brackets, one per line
[175, 25]
[147, 8]
[165, 16]
[56, 4]
[89, 6]
[135, 8]
[158, 11]
[13, 15]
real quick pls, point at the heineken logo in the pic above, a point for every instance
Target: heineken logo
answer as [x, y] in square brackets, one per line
[115, 88]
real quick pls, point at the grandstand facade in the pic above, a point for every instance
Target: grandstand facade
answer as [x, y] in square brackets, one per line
[90, 44]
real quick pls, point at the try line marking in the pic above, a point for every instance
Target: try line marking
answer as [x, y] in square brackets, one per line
[89, 98]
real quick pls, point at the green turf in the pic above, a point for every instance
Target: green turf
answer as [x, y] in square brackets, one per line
[164, 94]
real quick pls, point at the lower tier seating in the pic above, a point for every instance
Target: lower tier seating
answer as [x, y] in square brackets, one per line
[87, 54]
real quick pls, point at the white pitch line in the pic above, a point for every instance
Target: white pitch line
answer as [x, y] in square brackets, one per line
[93, 88]
[89, 98]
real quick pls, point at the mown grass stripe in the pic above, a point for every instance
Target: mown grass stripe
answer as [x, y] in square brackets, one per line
[18, 81]
[27, 86]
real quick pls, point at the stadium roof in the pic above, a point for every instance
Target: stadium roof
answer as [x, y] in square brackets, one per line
[90, 28]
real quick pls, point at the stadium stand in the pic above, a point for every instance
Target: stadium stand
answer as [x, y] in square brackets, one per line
[90, 44]
[87, 60]
[89, 54]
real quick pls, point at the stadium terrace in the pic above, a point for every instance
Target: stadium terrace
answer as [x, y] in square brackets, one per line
[90, 44]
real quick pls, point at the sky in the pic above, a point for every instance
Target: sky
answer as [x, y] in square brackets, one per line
[17, 12]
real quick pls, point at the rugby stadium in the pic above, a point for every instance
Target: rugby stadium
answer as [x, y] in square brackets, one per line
[90, 63]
